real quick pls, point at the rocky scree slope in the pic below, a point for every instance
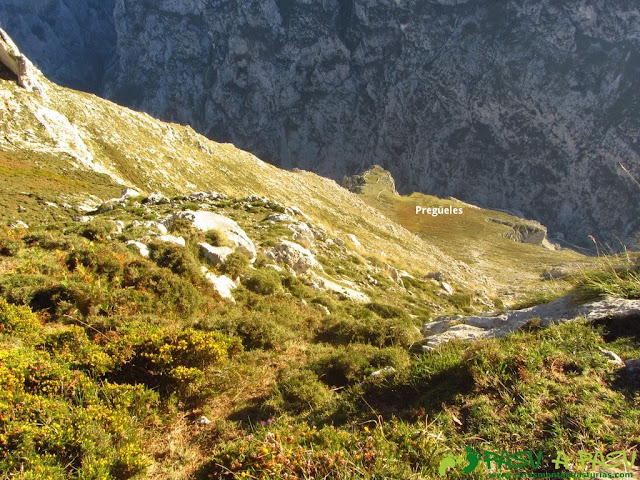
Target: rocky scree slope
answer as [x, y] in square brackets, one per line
[517, 105]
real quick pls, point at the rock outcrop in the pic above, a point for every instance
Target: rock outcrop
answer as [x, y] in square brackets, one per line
[444, 329]
[206, 221]
[294, 256]
[20, 66]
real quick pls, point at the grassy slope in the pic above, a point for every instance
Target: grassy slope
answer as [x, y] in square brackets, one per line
[152, 155]
[472, 238]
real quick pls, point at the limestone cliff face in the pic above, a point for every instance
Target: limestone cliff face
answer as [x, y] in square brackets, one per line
[523, 105]
[72, 41]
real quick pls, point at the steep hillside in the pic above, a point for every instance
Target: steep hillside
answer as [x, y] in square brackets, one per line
[516, 105]
[512, 250]
[60, 146]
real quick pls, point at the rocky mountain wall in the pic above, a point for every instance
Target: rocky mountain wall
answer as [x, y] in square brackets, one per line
[523, 105]
[73, 42]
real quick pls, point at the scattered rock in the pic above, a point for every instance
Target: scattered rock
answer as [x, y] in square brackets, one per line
[293, 210]
[277, 268]
[202, 420]
[564, 309]
[209, 196]
[321, 283]
[302, 234]
[223, 285]
[142, 248]
[633, 365]
[339, 242]
[159, 227]
[354, 240]
[324, 309]
[280, 217]
[215, 255]
[108, 206]
[386, 371]
[255, 198]
[397, 275]
[156, 198]
[295, 256]
[130, 193]
[555, 273]
[447, 288]
[456, 332]
[119, 226]
[82, 219]
[172, 239]
[18, 224]
[611, 356]
[206, 221]
[437, 276]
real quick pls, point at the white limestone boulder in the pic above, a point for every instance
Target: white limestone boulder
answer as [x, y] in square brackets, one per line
[299, 259]
[215, 255]
[205, 221]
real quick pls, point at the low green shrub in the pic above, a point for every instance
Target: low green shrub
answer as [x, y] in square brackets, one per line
[265, 282]
[345, 365]
[369, 329]
[159, 289]
[257, 331]
[384, 310]
[95, 231]
[9, 248]
[300, 391]
[103, 261]
[176, 258]
[217, 238]
[236, 264]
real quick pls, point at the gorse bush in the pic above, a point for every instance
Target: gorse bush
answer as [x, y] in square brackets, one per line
[265, 282]
[176, 258]
[171, 362]
[57, 422]
[17, 319]
[235, 265]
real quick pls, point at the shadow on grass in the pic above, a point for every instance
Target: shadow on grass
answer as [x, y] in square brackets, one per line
[627, 328]
[620, 326]
[428, 394]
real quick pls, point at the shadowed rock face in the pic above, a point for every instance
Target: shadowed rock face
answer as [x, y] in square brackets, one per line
[71, 41]
[523, 105]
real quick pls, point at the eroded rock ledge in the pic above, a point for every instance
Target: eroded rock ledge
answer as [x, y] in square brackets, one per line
[27, 76]
[444, 329]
